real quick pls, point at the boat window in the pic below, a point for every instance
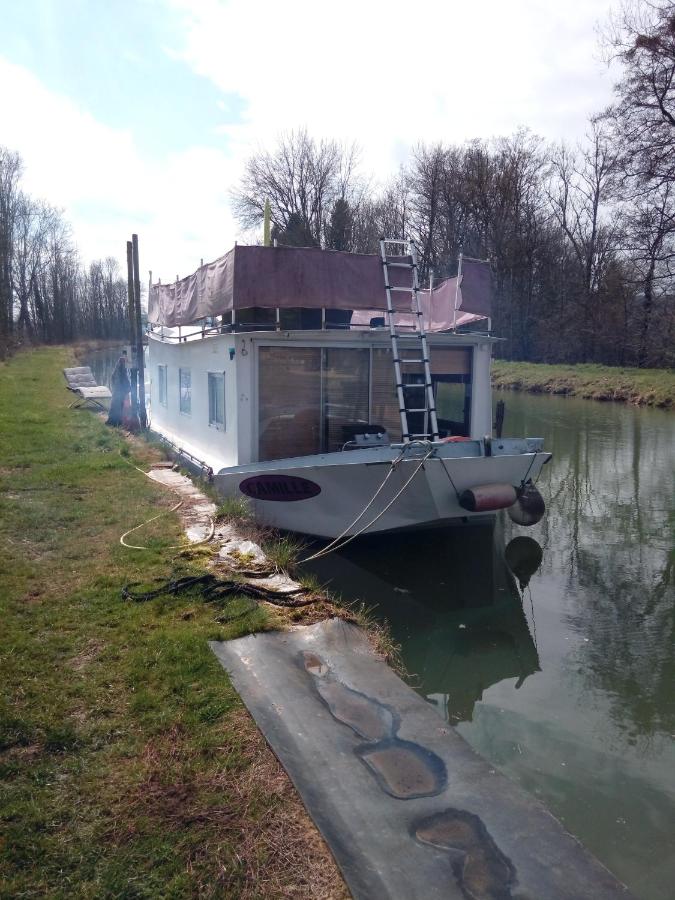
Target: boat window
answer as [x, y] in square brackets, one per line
[345, 394]
[161, 384]
[289, 399]
[185, 383]
[383, 401]
[312, 400]
[453, 404]
[450, 361]
[217, 400]
[451, 377]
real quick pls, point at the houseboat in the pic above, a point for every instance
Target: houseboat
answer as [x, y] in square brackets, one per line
[334, 393]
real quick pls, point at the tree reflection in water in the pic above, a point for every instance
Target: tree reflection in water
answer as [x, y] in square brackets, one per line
[568, 687]
[610, 533]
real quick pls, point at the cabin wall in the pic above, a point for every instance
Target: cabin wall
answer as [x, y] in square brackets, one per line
[217, 446]
[481, 396]
[238, 442]
[246, 399]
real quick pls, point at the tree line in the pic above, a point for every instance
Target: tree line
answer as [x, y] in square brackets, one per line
[581, 239]
[46, 293]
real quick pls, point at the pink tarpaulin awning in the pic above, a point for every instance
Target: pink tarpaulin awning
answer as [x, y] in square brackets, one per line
[472, 299]
[282, 277]
[276, 277]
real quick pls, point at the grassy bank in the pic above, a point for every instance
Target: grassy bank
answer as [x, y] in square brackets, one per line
[128, 767]
[648, 387]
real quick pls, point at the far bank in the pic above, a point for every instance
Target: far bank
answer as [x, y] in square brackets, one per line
[643, 387]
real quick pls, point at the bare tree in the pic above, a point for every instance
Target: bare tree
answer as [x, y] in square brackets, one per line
[581, 188]
[10, 173]
[44, 292]
[302, 178]
[650, 221]
[642, 38]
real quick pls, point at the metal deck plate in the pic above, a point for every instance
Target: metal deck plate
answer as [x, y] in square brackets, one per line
[407, 808]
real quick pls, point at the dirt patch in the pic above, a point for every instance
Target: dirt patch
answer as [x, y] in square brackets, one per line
[292, 843]
[23, 752]
[32, 596]
[86, 655]
[279, 852]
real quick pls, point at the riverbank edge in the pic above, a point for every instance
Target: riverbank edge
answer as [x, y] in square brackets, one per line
[639, 387]
[126, 757]
[282, 555]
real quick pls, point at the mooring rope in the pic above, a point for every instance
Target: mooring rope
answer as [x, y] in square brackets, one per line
[334, 544]
[529, 469]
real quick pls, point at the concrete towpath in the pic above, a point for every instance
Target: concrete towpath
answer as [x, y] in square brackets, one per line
[234, 550]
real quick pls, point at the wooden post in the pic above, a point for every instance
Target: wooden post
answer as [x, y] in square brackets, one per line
[131, 301]
[499, 418]
[133, 368]
[142, 413]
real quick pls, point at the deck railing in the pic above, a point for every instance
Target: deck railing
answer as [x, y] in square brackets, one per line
[197, 333]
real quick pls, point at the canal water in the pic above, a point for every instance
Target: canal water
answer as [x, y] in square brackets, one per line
[562, 675]
[552, 649]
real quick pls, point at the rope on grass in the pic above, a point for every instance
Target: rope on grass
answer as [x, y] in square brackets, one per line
[166, 512]
[213, 590]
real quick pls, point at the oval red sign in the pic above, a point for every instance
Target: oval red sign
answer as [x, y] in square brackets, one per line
[285, 488]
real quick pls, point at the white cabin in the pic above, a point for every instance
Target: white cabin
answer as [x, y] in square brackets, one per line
[236, 398]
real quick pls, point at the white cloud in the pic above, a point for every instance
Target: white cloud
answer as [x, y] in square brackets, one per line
[386, 74]
[108, 190]
[392, 73]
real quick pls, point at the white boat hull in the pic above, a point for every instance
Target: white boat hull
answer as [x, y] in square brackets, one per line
[323, 495]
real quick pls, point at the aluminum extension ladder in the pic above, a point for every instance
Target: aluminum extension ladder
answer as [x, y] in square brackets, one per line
[424, 392]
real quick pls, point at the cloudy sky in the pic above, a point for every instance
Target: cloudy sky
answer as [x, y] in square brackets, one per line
[136, 115]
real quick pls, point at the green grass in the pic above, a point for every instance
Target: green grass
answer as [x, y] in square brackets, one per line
[127, 765]
[649, 387]
[283, 551]
[233, 509]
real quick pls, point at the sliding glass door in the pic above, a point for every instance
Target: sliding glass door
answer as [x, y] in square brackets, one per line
[312, 399]
[345, 394]
[289, 402]
[308, 396]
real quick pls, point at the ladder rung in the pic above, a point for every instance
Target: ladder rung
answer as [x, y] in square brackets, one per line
[407, 252]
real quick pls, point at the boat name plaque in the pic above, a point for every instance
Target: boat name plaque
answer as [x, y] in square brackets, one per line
[285, 488]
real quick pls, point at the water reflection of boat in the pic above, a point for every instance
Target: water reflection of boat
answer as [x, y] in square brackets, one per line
[457, 612]
[477, 653]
